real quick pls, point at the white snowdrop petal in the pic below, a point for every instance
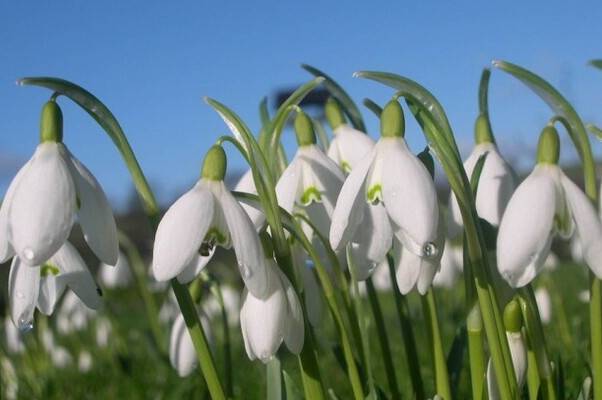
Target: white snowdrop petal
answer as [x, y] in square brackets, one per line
[6, 249]
[408, 191]
[526, 228]
[246, 184]
[375, 237]
[407, 266]
[544, 305]
[43, 206]
[289, 185]
[181, 232]
[587, 224]
[349, 146]
[451, 265]
[51, 289]
[182, 354]
[76, 275]
[95, 214]
[264, 319]
[326, 173]
[195, 267]
[248, 249]
[294, 335]
[351, 204]
[118, 276]
[23, 292]
[428, 269]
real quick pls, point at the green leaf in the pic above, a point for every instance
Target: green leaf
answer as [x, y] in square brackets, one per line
[484, 91]
[596, 63]
[475, 177]
[292, 391]
[320, 134]
[105, 118]
[594, 130]
[563, 108]
[372, 106]
[455, 358]
[349, 107]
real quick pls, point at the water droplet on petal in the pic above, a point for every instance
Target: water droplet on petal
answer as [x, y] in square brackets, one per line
[430, 250]
[28, 254]
[25, 322]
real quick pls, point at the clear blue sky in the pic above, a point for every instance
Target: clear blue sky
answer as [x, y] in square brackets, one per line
[152, 62]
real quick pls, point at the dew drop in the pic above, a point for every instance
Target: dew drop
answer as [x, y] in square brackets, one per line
[25, 323]
[430, 250]
[28, 254]
[93, 109]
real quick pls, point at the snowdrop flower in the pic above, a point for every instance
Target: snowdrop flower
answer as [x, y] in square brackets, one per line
[231, 299]
[392, 186]
[496, 184]
[313, 299]
[246, 184]
[59, 356]
[452, 262]
[204, 217]
[182, 355]
[311, 182]
[84, 361]
[349, 145]
[544, 304]
[118, 276]
[73, 314]
[14, 342]
[42, 286]
[103, 331]
[267, 322]
[42, 200]
[545, 204]
[518, 350]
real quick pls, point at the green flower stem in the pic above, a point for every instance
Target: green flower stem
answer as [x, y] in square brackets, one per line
[333, 305]
[150, 306]
[403, 312]
[429, 308]
[595, 316]
[274, 379]
[476, 353]
[537, 341]
[383, 339]
[533, 382]
[217, 292]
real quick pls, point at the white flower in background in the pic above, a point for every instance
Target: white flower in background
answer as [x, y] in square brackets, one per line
[103, 331]
[59, 356]
[551, 262]
[169, 309]
[41, 203]
[205, 217]
[381, 277]
[545, 204]
[518, 350]
[348, 145]
[14, 341]
[118, 276]
[73, 315]
[544, 305]
[496, 184]
[267, 322]
[9, 383]
[392, 186]
[313, 299]
[182, 354]
[84, 361]
[311, 182]
[31, 286]
[231, 299]
[452, 262]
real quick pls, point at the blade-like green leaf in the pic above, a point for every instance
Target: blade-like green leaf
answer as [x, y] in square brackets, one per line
[484, 91]
[455, 358]
[372, 106]
[291, 389]
[562, 107]
[596, 63]
[105, 118]
[349, 106]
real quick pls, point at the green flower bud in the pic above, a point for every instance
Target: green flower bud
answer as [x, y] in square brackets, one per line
[392, 122]
[334, 114]
[304, 129]
[482, 130]
[548, 148]
[51, 123]
[513, 317]
[215, 164]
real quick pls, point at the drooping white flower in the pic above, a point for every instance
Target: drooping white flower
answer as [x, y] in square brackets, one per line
[118, 276]
[496, 183]
[59, 356]
[205, 217]
[246, 184]
[42, 286]
[182, 355]
[547, 203]
[311, 182]
[103, 331]
[544, 305]
[41, 203]
[267, 322]
[390, 193]
[313, 299]
[84, 361]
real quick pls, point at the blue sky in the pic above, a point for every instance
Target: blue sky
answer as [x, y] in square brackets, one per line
[152, 62]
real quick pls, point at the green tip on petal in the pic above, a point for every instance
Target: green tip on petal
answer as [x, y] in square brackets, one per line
[215, 164]
[334, 114]
[304, 130]
[392, 121]
[266, 242]
[51, 123]
[548, 148]
[482, 130]
[513, 317]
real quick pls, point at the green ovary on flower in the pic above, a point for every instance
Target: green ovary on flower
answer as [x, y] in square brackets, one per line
[51, 123]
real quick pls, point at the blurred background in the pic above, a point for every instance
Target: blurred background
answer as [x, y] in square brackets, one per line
[152, 62]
